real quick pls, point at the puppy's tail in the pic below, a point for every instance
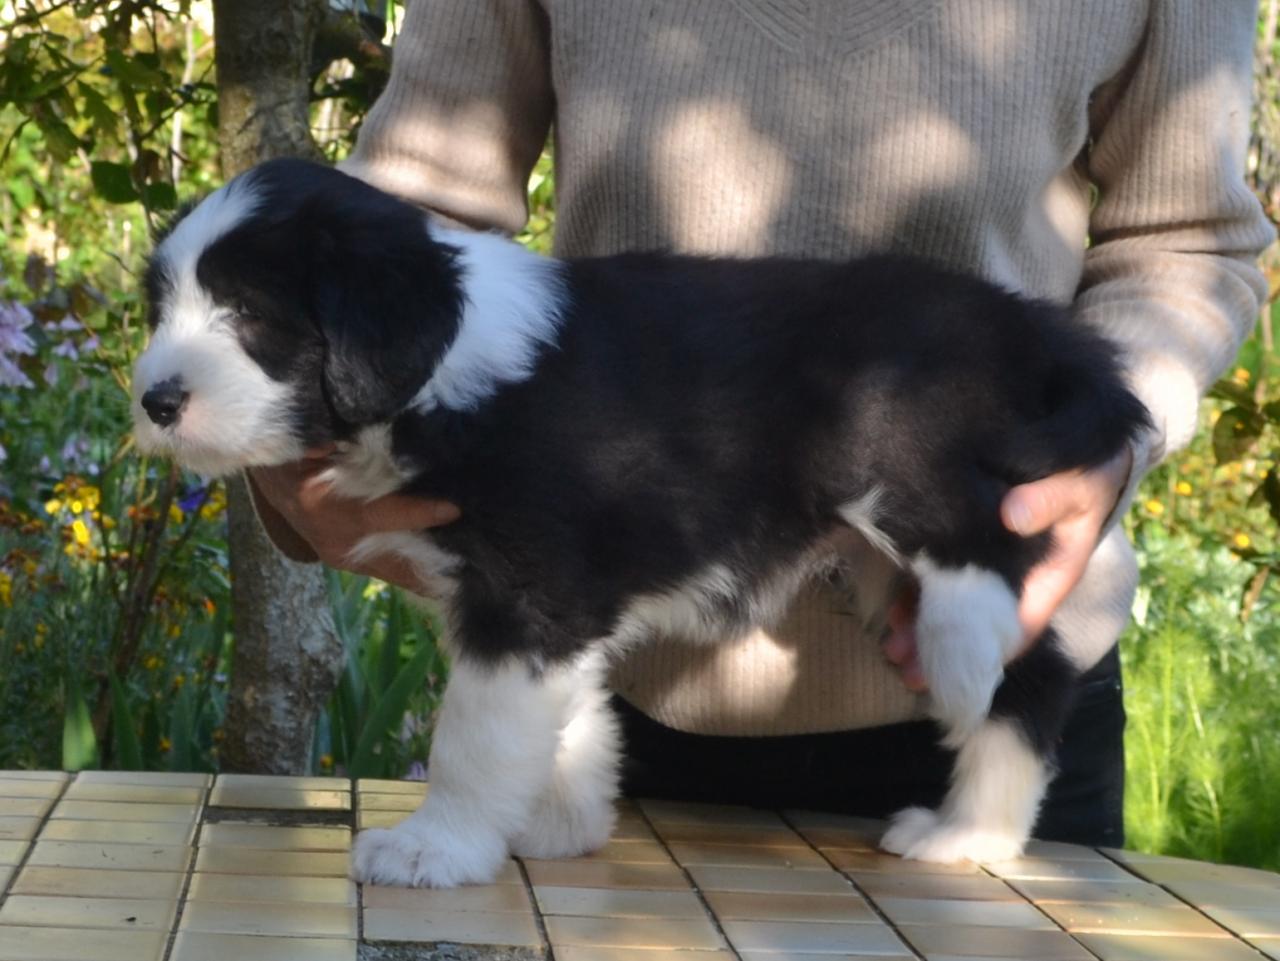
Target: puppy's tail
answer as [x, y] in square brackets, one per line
[1089, 414]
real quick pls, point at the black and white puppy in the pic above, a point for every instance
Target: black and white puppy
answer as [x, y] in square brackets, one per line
[638, 444]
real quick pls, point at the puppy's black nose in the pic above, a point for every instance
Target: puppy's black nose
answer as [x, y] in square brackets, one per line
[164, 401]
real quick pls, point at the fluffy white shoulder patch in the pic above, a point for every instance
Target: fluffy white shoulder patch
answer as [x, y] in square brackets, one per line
[514, 302]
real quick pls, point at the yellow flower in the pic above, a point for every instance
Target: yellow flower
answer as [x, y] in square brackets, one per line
[52, 506]
[165, 744]
[178, 681]
[326, 762]
[109, 523]
[6, 589]
[175, 514]
[77, 507]
[1240, 376]
[91, 496]
[175, 630]
[19, 648]
[80, 531]
[1241, 541]
[1183, 488]
[152, 662]
[41, 628]
[1154, 507]
[39, 641]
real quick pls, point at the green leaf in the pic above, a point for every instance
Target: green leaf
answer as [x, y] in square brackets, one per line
[384, 719]
[182, 724]
[1236, 393]
[1270, 488]
[160, 196]
[135, 72]
[79, 743]
[62, 143]
[105, 120]
[128, 748]
[112, 182]
[1234, 433]
[390, 660]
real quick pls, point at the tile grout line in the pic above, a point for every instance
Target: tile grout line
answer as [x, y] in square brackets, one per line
[697, 891]
[854, 885]
[538, 920]
[190, 871]
[1051, 919]
[357, 804]
[31, 845]
[1192, 905]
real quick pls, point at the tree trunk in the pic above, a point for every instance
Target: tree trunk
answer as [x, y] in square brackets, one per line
[287, 654]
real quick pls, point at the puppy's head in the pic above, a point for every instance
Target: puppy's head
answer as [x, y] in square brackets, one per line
[289, 308]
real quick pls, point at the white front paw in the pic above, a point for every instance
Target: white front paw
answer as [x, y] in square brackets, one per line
[414, 855]
[921, 835]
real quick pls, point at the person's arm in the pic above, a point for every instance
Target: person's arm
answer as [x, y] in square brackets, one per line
[1170, 274]
[464, 117]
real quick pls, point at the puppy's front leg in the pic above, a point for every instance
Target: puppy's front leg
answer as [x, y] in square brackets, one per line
[492, 755]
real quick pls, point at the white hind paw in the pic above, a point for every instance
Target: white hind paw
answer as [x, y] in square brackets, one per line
[921, 835]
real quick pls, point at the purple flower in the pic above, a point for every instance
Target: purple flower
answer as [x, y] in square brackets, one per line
[192, 499]
[14, 320]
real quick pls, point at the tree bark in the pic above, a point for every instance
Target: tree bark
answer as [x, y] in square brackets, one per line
[287, 655]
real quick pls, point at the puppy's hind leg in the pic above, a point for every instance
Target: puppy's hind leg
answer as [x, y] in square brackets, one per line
[1002, 768]
[491, 757]
[575, 814]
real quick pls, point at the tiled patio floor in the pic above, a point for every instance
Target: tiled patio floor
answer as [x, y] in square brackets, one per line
[144, 867]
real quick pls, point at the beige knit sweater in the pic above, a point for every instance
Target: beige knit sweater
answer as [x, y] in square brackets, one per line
[1087, 151]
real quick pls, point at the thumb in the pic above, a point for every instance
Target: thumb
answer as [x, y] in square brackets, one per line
[1032, 508]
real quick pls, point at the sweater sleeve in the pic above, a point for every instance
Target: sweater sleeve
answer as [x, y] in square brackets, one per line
[465, 113]
[1170, 273]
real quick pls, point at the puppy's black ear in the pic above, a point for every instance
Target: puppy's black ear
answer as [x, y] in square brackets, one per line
[388, 301]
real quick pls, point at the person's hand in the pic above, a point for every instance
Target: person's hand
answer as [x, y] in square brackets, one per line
[1072, 506]
[332, 525]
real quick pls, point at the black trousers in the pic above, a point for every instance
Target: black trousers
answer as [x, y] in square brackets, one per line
[875, 772]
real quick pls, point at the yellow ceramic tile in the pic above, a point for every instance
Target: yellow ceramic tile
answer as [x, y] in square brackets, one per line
[378, 819]
[574, 952]
[626, 852]
[780, 880]
[612, 903]
[403, 803]
[282, 783]
[1172, 870]
[505, 929]
[743, 906]
[965, 940]
[952, 887]
[997, 914]
[119, 857]
[6, 873]
[234, 860]
[603, 874]
[286, 919]
[1062, 852]
[816, 937]
[125, 811]
[144, 793]
[58, 776]
[691, 933]
[18, 828]
[273, 838]
[1104, 892]
[841, 838]
[732, 834]
[18, 787]
[1142, 919]
[679, 812]
[748, 856]
[1246, 923]
[288, 799]
[484, 898]
[371, 785]
[198, 946]
[24, 807]
[1123, 947]
[11, 852]
[169, 833]
[1049, 869]
[1268, 946]
[146, 779]
[853, 860]
[72, 944]
[249, 887]
[90, 883]
[633, 827]
[113, 913]
[1206, 894]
